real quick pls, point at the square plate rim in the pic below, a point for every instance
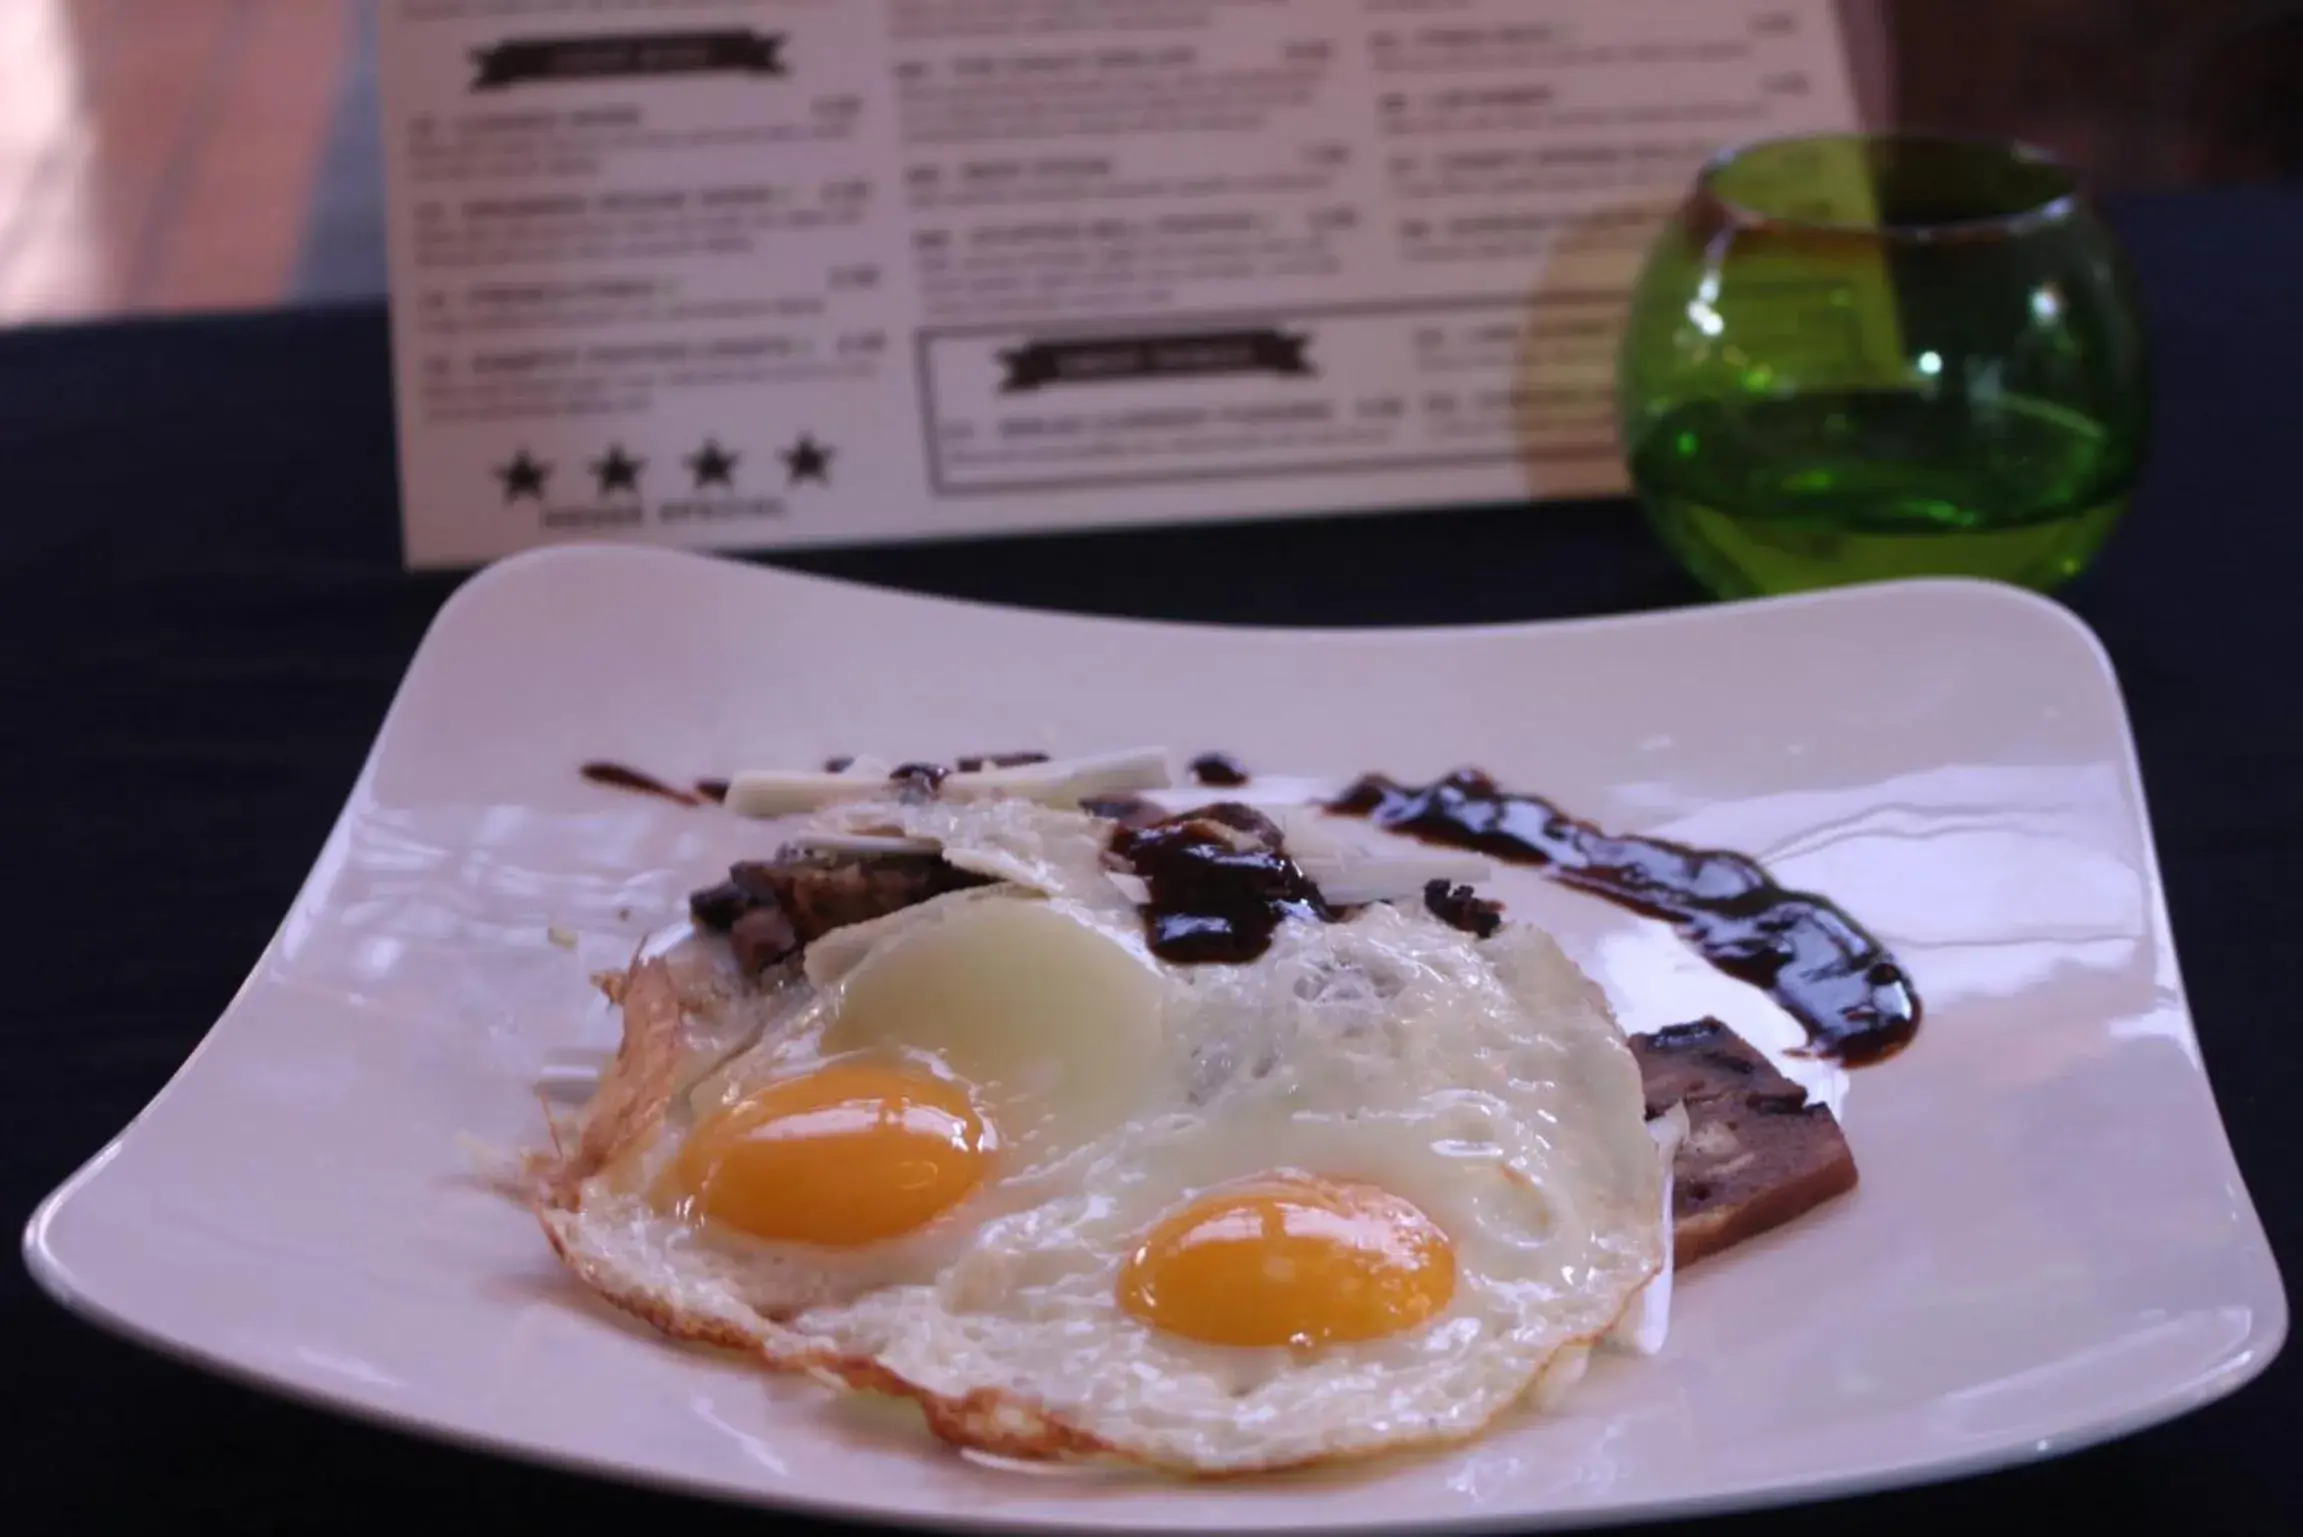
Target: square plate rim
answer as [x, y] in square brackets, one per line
[2245, 1361]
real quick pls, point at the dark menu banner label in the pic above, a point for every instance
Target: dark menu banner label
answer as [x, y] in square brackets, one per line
[1135, 359]
[1446, 384]
[538, 61]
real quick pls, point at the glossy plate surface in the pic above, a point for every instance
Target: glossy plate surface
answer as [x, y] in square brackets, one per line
[2051, 1243]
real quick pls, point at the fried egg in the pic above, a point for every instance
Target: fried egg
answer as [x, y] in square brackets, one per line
[990, 1154]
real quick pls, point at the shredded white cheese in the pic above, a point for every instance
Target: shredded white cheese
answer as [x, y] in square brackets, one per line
[1059, 782]
[1351, 880]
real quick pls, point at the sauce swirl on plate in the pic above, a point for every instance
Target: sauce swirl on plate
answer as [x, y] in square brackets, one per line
[619, 777]
[1855, 1003]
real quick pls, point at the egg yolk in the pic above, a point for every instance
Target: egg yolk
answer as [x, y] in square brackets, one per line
[849, 1154]
[1290, 1261]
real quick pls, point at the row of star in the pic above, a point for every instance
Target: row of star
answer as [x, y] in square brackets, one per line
[807, 460]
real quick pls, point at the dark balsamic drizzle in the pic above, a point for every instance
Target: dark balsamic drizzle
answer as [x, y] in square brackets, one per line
[971, 763]
[976, 763]
[1849, 995]
[1129, 810]
[1218, 769]
[921, 777]
[617, 776]
[1459, 907]
[1219, 883]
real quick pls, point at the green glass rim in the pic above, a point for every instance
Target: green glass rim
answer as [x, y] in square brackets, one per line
[2051, 188]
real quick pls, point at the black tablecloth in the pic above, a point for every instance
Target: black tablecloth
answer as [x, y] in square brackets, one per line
[202, 619]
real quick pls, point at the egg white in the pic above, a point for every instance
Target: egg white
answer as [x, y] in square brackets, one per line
[1485, 1081]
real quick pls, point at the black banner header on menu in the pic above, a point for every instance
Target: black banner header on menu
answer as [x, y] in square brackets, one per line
[540, 60]
[1113, 359]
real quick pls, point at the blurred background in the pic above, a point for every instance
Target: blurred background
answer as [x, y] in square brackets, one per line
[170, 155]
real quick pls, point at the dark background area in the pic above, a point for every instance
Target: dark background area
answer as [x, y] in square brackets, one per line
[2140, 94]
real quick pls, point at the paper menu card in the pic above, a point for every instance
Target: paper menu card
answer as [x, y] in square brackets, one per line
[746, 273]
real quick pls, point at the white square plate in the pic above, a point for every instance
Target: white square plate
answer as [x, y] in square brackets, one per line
[2051, 1243]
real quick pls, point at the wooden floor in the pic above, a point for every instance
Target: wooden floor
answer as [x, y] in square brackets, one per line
[159, 154]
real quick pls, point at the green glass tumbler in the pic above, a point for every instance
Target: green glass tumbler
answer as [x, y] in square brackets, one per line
[1852, 357]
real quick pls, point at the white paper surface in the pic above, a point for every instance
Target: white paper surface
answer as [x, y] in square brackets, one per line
[748, 273]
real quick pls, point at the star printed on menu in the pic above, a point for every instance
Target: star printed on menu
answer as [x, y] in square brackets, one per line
[524, 476]
[713, 465]
[618, 471]
[807, 460]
